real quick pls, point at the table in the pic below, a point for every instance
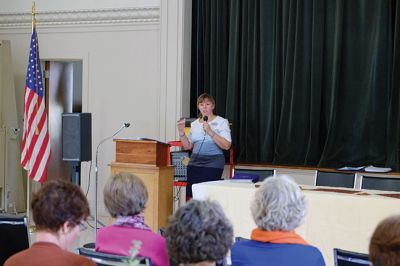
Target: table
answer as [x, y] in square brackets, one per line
[335, 219]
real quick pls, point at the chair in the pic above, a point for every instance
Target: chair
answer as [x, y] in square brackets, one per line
[348, 258]
[14, 235]
[335, 179]
[261, 174]
[105, 259]
[239, 238]
[380, 183]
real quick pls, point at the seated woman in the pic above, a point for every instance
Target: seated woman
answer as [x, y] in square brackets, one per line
[278, 208]
[58, 208]
[199, 234]
[125, 197]
[385, 243]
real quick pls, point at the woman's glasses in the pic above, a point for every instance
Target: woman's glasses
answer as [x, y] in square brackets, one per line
[82, 225]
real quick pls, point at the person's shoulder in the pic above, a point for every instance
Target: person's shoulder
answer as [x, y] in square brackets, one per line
[151, 235]
[241, 244]
[316, 251]
[112, 231]
[104, 231]
[16, 259]
[306, 250]
[220, 119]
[75, 259]
[313, 254]
[221, 122]
[82, 261]
[309, 248]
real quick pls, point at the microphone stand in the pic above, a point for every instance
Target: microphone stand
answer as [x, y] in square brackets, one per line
[125, 125]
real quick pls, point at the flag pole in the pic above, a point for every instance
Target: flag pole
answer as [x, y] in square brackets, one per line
[28, 180]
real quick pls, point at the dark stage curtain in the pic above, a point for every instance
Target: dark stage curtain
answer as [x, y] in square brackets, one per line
[313, 83]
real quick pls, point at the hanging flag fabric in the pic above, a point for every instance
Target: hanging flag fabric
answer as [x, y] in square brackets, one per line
[35, 152]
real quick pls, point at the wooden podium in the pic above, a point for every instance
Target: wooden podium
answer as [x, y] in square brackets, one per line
[148, 160]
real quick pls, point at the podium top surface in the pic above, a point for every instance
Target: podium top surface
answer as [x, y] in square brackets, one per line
[142, 140]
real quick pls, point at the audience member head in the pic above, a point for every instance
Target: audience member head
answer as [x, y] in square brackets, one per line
[384, 247]
[125, 195]
[58, 208]
[279, 205]
[199, 233]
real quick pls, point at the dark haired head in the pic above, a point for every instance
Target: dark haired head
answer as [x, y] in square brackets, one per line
[384, 247]
[198, 231]
[57, 202]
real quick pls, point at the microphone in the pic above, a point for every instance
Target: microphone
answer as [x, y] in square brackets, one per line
[125, 125]
[205, 119]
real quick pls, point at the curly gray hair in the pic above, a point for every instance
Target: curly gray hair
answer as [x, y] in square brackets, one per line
[279, 204]
[198, 231]
[125, 195]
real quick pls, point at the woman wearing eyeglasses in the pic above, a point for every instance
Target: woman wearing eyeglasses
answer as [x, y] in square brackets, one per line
[58, 208]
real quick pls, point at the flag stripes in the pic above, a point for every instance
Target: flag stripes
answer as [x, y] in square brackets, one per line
[35, 151]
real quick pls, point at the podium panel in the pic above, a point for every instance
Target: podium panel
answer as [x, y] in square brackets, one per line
[159, 184]
[141, 151]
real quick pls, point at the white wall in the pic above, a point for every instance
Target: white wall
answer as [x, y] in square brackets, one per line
[122, 64]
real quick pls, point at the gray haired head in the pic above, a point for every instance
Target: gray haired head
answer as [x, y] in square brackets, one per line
[125, 195]
[279, 204]
[198, 231]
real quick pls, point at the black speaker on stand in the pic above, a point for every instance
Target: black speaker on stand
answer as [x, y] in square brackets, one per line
[76, 141]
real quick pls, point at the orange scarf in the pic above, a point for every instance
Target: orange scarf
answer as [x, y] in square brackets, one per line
[278, 237]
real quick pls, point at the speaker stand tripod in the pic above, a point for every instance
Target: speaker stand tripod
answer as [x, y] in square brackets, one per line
[76, 173]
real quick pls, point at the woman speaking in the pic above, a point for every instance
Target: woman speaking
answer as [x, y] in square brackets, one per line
[209, 135]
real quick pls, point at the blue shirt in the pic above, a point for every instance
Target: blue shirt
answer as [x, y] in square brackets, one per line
[255, 253]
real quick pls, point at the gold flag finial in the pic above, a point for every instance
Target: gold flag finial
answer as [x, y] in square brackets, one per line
[33, 14]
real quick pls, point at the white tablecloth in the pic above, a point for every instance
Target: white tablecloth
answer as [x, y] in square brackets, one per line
[334, 219]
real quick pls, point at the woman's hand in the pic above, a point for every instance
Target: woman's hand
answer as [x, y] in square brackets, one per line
[181, 126]
[220, 141]
[208, 129]
[182, 136]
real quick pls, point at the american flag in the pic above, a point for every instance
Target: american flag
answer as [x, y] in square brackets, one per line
[35, 152]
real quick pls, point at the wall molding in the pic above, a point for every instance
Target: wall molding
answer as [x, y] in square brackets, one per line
[136, 15]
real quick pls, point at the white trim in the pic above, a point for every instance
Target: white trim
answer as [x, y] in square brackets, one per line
[82, 17]
[175, 43]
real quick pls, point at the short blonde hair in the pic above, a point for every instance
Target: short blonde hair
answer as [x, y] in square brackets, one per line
[205, 96]
[125, 195]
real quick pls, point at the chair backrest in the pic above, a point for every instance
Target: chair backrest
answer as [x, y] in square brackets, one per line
[348, 258]
[239, 238]
[14, 235]
[262, 174]
[105, 259]
[380, 183]
[335, 179]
